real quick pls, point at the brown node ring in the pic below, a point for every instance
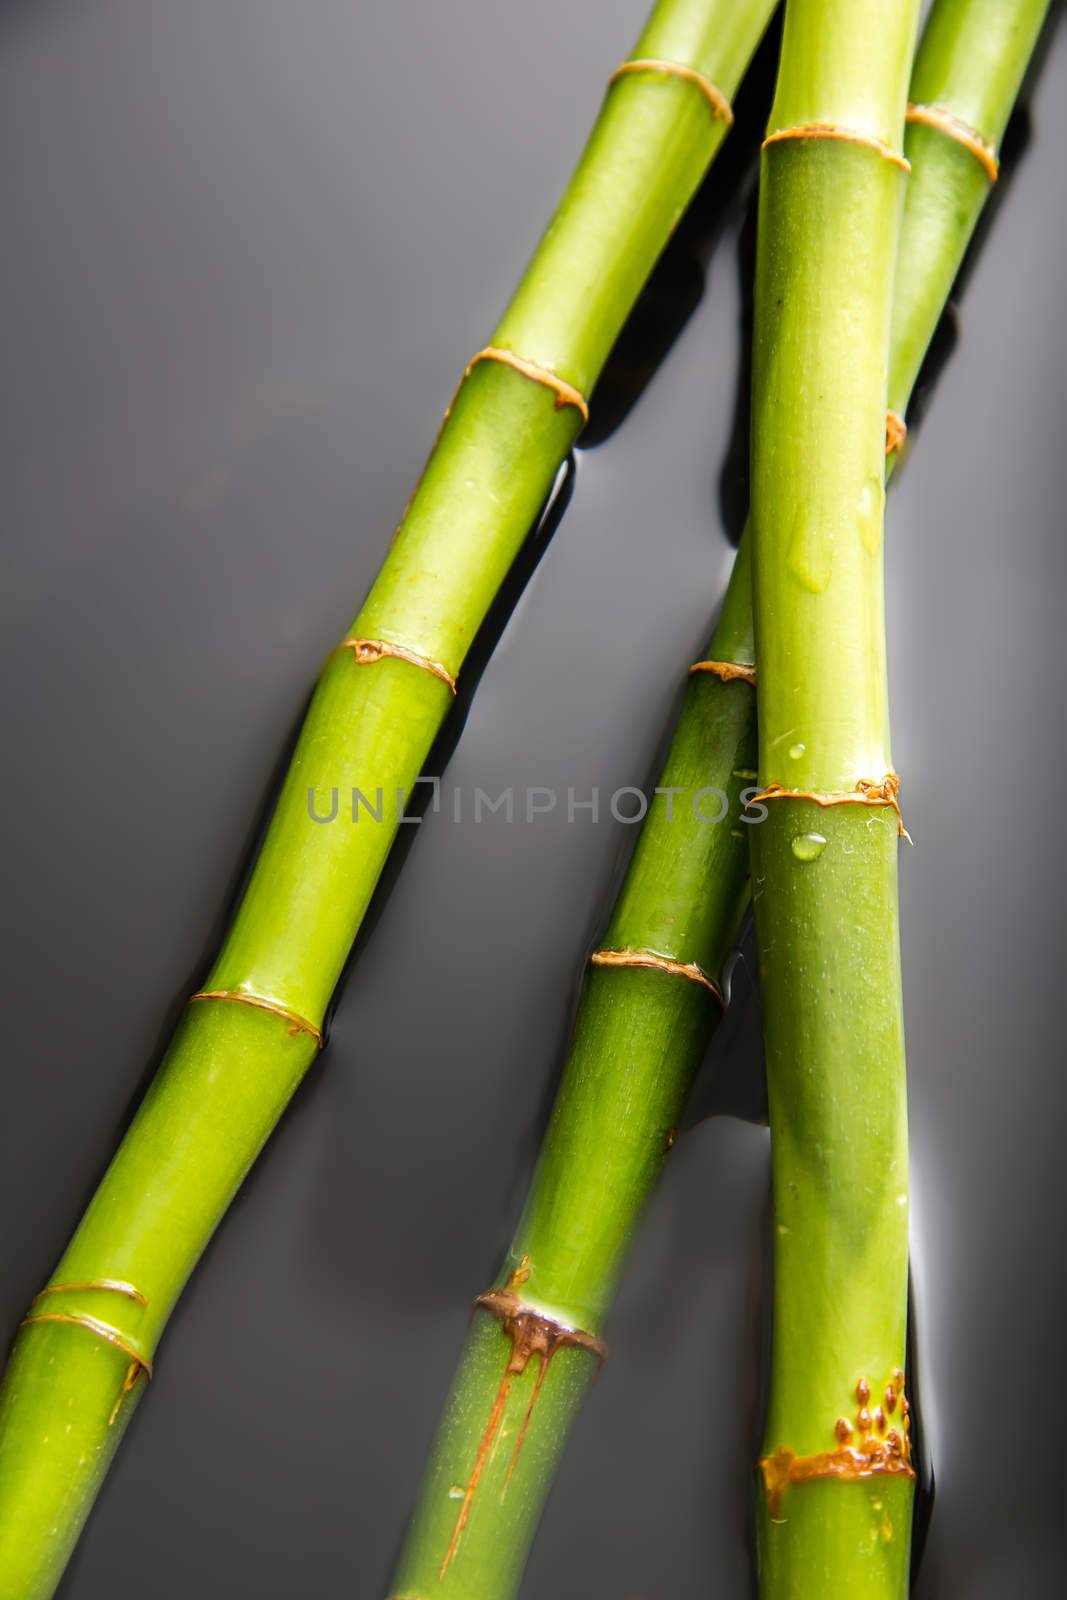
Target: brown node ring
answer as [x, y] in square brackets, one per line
[954, 127]
[532, 1333]
[566, 394]
[896, 431]
[367, 652]
[297, 1023]
[728, 671]
[833, 130]
[868, 792]
[101, 1330]
[873, 1459]
[720, 106]
[93, 1286]
[658, 963]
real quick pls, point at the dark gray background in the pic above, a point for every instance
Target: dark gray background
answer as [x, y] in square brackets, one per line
[248, 246]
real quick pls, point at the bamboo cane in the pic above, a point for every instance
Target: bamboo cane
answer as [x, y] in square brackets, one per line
[640, 1034]
[836, 1480]
[834, 1513]
[87, 1345]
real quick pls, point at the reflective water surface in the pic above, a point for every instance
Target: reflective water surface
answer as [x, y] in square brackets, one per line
[248, 249]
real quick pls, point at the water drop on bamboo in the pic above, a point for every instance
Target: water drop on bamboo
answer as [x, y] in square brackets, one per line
[809, 846]
[810, 552]
[869, 509]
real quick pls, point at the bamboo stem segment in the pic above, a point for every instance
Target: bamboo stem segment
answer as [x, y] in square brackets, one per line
[824, 861]
[968, 73]
[652, 996]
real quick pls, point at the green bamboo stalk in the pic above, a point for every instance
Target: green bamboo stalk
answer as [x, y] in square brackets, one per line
[970, 66]
[825, 879]
[640, 1036]
[835, 1503]
[641, 1033]
[79, 1362]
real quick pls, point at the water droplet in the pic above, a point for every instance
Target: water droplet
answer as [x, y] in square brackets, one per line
[808, 846]
[456, 1492]
[796, 751]
[810, 551]
[869, 509]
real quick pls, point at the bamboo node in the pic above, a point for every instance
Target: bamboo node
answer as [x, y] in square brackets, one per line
[566, 394]
[532, 1333]
[658, 963]
[834, 130]
[868, 792]
[896, 431]
[720, 106]
[726, 670]
[101, 1330]
[96, 1286]
[297, 1023]
[954, 127]
[366, 652]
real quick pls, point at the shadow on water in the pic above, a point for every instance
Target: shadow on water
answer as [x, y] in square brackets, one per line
[734, 473]
[925, 1486]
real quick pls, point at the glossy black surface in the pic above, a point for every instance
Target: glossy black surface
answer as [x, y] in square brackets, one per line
[247, 249]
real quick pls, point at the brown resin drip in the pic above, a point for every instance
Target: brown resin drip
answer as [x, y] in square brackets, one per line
[531, 1334]
[726, 670]
[871, 1457]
